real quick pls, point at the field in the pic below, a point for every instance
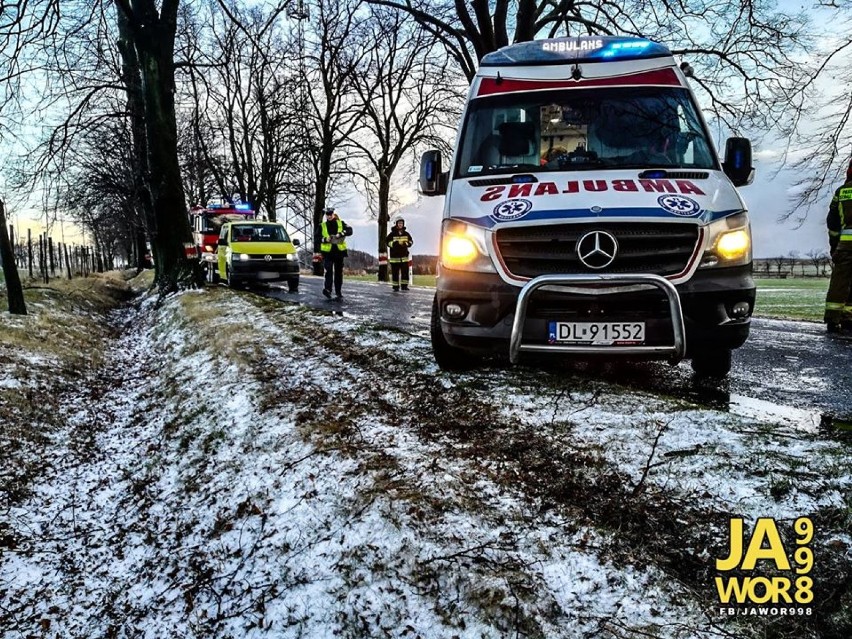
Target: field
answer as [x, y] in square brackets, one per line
[802, 299]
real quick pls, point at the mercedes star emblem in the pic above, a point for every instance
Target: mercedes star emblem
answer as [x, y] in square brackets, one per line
[597, 249]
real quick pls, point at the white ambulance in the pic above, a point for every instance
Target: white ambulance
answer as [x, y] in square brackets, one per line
[587, 212]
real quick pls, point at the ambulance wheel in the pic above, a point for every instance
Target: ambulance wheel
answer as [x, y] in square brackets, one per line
[229, 280]
[715, 363]
[293, 285]
[448, 357]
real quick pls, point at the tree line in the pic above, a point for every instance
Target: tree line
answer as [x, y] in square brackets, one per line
[125, 112]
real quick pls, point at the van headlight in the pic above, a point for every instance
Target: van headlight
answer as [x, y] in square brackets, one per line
[240, 257]
[728, 242]
[464, 247]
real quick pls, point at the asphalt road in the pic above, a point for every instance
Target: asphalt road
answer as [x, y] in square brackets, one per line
[788, 372]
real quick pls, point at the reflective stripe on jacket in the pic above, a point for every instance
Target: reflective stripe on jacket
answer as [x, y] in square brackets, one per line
[398, 243]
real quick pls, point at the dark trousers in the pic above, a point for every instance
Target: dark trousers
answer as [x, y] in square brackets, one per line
[333, 264]
[838, 303]
[399, 272]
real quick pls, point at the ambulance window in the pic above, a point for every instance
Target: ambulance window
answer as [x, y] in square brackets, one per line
[583, 130]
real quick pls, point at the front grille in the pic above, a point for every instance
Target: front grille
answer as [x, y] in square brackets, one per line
[661, 249]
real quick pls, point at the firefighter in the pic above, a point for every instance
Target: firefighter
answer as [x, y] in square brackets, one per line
[838, 303]
[398, 241]
[333, 249]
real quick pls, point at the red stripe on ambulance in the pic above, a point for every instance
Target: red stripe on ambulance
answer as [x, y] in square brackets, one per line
[666, 77]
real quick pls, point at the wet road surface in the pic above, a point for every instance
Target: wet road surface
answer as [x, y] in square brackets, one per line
[788, 372]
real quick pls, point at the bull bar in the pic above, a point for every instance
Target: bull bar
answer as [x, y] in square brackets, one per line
[675, 352]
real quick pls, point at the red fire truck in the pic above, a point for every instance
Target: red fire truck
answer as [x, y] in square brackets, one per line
[207, 222]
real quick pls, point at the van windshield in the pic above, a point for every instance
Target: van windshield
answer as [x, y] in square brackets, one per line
[258, 233]
[589, 129]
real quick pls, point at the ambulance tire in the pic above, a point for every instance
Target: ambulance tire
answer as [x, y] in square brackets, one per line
[228, 279]
[293, 285]
[715, 363]
[448, 357]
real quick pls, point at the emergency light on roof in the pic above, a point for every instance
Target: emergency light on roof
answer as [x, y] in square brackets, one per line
[243, 206]
[570, 50]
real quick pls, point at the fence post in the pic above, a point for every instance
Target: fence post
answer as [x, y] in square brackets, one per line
[40, 256]
[30, 251]
[67, 261]
[50, 255]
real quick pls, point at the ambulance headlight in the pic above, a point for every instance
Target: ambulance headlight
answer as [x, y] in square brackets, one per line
[463, 247]
[728, 242]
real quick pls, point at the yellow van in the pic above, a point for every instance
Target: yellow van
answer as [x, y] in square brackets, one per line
[255, 252]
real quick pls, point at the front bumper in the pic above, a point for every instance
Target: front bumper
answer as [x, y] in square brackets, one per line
[263, 271]
[706, 301]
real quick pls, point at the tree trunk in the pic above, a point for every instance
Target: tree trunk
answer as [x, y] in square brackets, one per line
[131, 76]
[153, 39]
[319, 205]
[384, 216]
[14, 290]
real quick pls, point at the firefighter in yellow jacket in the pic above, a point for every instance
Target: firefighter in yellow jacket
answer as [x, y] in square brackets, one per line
[838, 302]
[399, 241]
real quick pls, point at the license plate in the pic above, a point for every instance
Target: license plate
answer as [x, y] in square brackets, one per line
[596, 333]
[268, 275]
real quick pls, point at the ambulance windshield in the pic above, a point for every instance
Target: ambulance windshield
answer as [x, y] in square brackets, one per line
[576, 130]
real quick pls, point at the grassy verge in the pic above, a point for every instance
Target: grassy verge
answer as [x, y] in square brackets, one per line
[44, 354]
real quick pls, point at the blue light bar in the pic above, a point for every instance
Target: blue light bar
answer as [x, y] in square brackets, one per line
[619, 49]
[243, 206]
[571, 50]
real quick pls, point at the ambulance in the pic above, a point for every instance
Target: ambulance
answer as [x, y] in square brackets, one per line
[587, 213]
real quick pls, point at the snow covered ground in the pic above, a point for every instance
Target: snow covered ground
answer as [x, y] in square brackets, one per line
[234, 467]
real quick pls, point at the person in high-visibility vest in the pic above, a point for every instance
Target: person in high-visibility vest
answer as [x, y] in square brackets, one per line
[838, 302]
[399, 240]
[333, 249]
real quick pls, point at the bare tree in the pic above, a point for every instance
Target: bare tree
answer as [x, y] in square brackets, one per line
[245, 85]
[150, 31]
[14, 290]
[780, 262]
[74, 45]
[333, 111]
[748, 71]
[406, 88]
[816, 257]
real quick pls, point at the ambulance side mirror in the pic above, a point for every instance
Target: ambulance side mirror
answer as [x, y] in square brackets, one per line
[737, 164]
[432, 180]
